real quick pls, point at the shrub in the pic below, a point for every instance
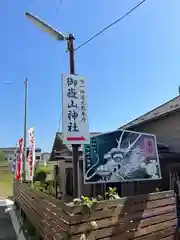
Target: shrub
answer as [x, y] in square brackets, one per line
[45, 187]
[41, 174]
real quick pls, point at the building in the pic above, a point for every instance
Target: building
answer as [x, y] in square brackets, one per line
[9, 153]
[163, 121]
[63, 155]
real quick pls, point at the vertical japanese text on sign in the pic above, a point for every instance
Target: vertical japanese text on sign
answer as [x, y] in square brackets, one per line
[83, 105]
[75, 119]
[72, 95]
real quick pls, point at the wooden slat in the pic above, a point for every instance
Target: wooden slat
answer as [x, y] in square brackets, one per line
[46, 197]
[140, 232]
[34, 219]
[44, 225]
[135, 200]
[49, 200]
[168, 238]
[34, 205]
[56, 225]
[46, 214]
[60, 212]
[57, 203]
[149, 205]
[118, 211]
[48, 206]
[126, 209]
[39, 218]
[145, 217]
[108, 233]
[158, 235]
[36, 210]
[122, 225]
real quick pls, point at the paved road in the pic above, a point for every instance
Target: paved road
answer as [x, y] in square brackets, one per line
[6, 228]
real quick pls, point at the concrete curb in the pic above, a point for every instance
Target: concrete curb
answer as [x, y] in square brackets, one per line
[10, 209]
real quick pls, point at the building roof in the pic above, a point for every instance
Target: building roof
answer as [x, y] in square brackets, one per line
[164, 109]
[7, 149]
[11, 149]
[59, 146]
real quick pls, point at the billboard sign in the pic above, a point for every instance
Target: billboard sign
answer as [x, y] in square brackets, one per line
[121, 156]
[75, 110]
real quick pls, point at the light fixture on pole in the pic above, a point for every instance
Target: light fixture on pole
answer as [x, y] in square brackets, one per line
[70, 46]
[45, 27]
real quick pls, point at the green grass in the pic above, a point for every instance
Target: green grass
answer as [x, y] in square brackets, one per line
[6, 179]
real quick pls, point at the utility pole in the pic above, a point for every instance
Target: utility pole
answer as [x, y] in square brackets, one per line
[75, 147]
[70, 46]
[25, 129]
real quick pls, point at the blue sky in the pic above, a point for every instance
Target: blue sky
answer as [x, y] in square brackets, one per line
[131, 68]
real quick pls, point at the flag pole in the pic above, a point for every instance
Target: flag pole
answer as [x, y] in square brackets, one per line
[25, 130]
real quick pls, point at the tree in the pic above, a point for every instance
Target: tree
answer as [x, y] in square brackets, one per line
[2, 156]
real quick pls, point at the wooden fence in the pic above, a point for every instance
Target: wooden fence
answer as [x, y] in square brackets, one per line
[142, 217]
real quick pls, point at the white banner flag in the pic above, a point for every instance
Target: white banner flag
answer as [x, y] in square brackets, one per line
[31, 155]
[75, 110]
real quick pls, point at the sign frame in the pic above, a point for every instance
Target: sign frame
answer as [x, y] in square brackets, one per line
[85, 170]
[75, 125]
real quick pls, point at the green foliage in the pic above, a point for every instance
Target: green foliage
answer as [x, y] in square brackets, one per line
[111, 194]
[86, 201]
[45, 187]
[2, 157]
[41, 174]
[44, 169]
[88, 204]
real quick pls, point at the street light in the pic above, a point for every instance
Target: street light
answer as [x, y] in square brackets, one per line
[45, 27]
[70, 46]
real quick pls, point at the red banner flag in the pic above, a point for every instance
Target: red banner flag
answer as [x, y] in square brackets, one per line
[20, 161]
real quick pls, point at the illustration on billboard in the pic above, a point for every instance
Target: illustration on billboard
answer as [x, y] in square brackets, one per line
[121, 156]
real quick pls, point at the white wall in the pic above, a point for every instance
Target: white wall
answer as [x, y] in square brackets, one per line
[45, 156]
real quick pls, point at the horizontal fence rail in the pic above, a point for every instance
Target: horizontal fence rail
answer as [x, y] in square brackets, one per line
[143, 217]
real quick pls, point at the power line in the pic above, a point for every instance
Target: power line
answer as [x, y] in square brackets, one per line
[57, 8]
[55, 13]
[110, 25]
